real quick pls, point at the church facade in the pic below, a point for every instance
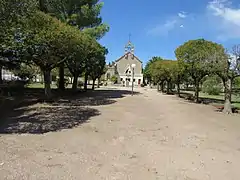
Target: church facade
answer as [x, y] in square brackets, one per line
[128, 68]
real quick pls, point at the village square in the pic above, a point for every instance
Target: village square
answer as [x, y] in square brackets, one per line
[90, 90]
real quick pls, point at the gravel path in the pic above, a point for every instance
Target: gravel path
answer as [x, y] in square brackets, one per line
[149, 136]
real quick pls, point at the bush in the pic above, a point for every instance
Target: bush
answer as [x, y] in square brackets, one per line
[212, 86]
[114, 79]
[142, 85]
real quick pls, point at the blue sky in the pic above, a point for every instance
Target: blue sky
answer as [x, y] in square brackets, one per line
[158, 27]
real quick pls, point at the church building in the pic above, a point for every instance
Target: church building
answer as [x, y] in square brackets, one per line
[128, 68]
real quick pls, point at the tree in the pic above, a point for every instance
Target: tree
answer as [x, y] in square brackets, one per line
[193, 55]
[236, 83]
[179, 75]
[13, 16]
[227, 67]
[168, 67]
[47, 43]
[26, 71]
[157, 73]
[81, 61]
[212, 85]
[84, 14]
[147, 70]
[160, 71]
[97, 69]
[96, 53]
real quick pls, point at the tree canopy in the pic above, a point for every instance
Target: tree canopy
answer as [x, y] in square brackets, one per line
[194, 56]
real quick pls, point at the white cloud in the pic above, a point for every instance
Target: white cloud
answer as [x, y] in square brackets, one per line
[163, 29]
[227, 18]
[169, 25]
[182, 15]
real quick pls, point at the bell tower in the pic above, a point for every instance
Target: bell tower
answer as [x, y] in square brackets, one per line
[129, 48]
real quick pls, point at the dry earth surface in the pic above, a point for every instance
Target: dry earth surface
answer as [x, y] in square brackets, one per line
[149, 136]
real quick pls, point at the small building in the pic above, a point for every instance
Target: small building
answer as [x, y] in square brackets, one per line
[128, 68]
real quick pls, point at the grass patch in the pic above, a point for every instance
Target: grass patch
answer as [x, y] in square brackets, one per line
[235, 98]
[35, 86]
[40, 86]
[236, 105]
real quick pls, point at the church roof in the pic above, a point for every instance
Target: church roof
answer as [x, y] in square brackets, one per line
[127, 54]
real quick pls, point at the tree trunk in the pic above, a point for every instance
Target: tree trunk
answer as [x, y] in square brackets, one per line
[158, 86]
[228, 95]
[224, 85]
[61, 77]
[85, 81]
[93, 85]
[150, 84]
[47, 83]
[1, 78]
[75, 81]
[168, 87]
[178, 89]
[98, 83]
[162, 86]
[196, 92]
[42, 78]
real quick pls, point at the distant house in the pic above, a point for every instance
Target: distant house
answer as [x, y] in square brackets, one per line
[122, 68]
[8, 75]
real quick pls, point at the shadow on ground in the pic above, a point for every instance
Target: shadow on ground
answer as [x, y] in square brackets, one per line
[65, 111]
[94, 98]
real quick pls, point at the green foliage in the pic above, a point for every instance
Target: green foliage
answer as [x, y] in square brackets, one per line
[85, 47]
[236, 82]
[114, 79]
[49, 41]
[195, 57]
[85, 14]
[97, 62]
[26, 71]
[13, 17]
[161, 70]
[212, 86]
[153, 69]
[97, 32]
[147, 72]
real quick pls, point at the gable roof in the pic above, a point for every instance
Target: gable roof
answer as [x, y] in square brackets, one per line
[128, 54]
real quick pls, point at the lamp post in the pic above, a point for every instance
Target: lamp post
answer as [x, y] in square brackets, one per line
[133, 67]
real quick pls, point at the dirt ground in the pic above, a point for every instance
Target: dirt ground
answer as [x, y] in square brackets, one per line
[149, 136]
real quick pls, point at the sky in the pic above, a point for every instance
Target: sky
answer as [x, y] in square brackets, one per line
[159, 27]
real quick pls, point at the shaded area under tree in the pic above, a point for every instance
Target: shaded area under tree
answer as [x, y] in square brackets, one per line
[63, 112]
